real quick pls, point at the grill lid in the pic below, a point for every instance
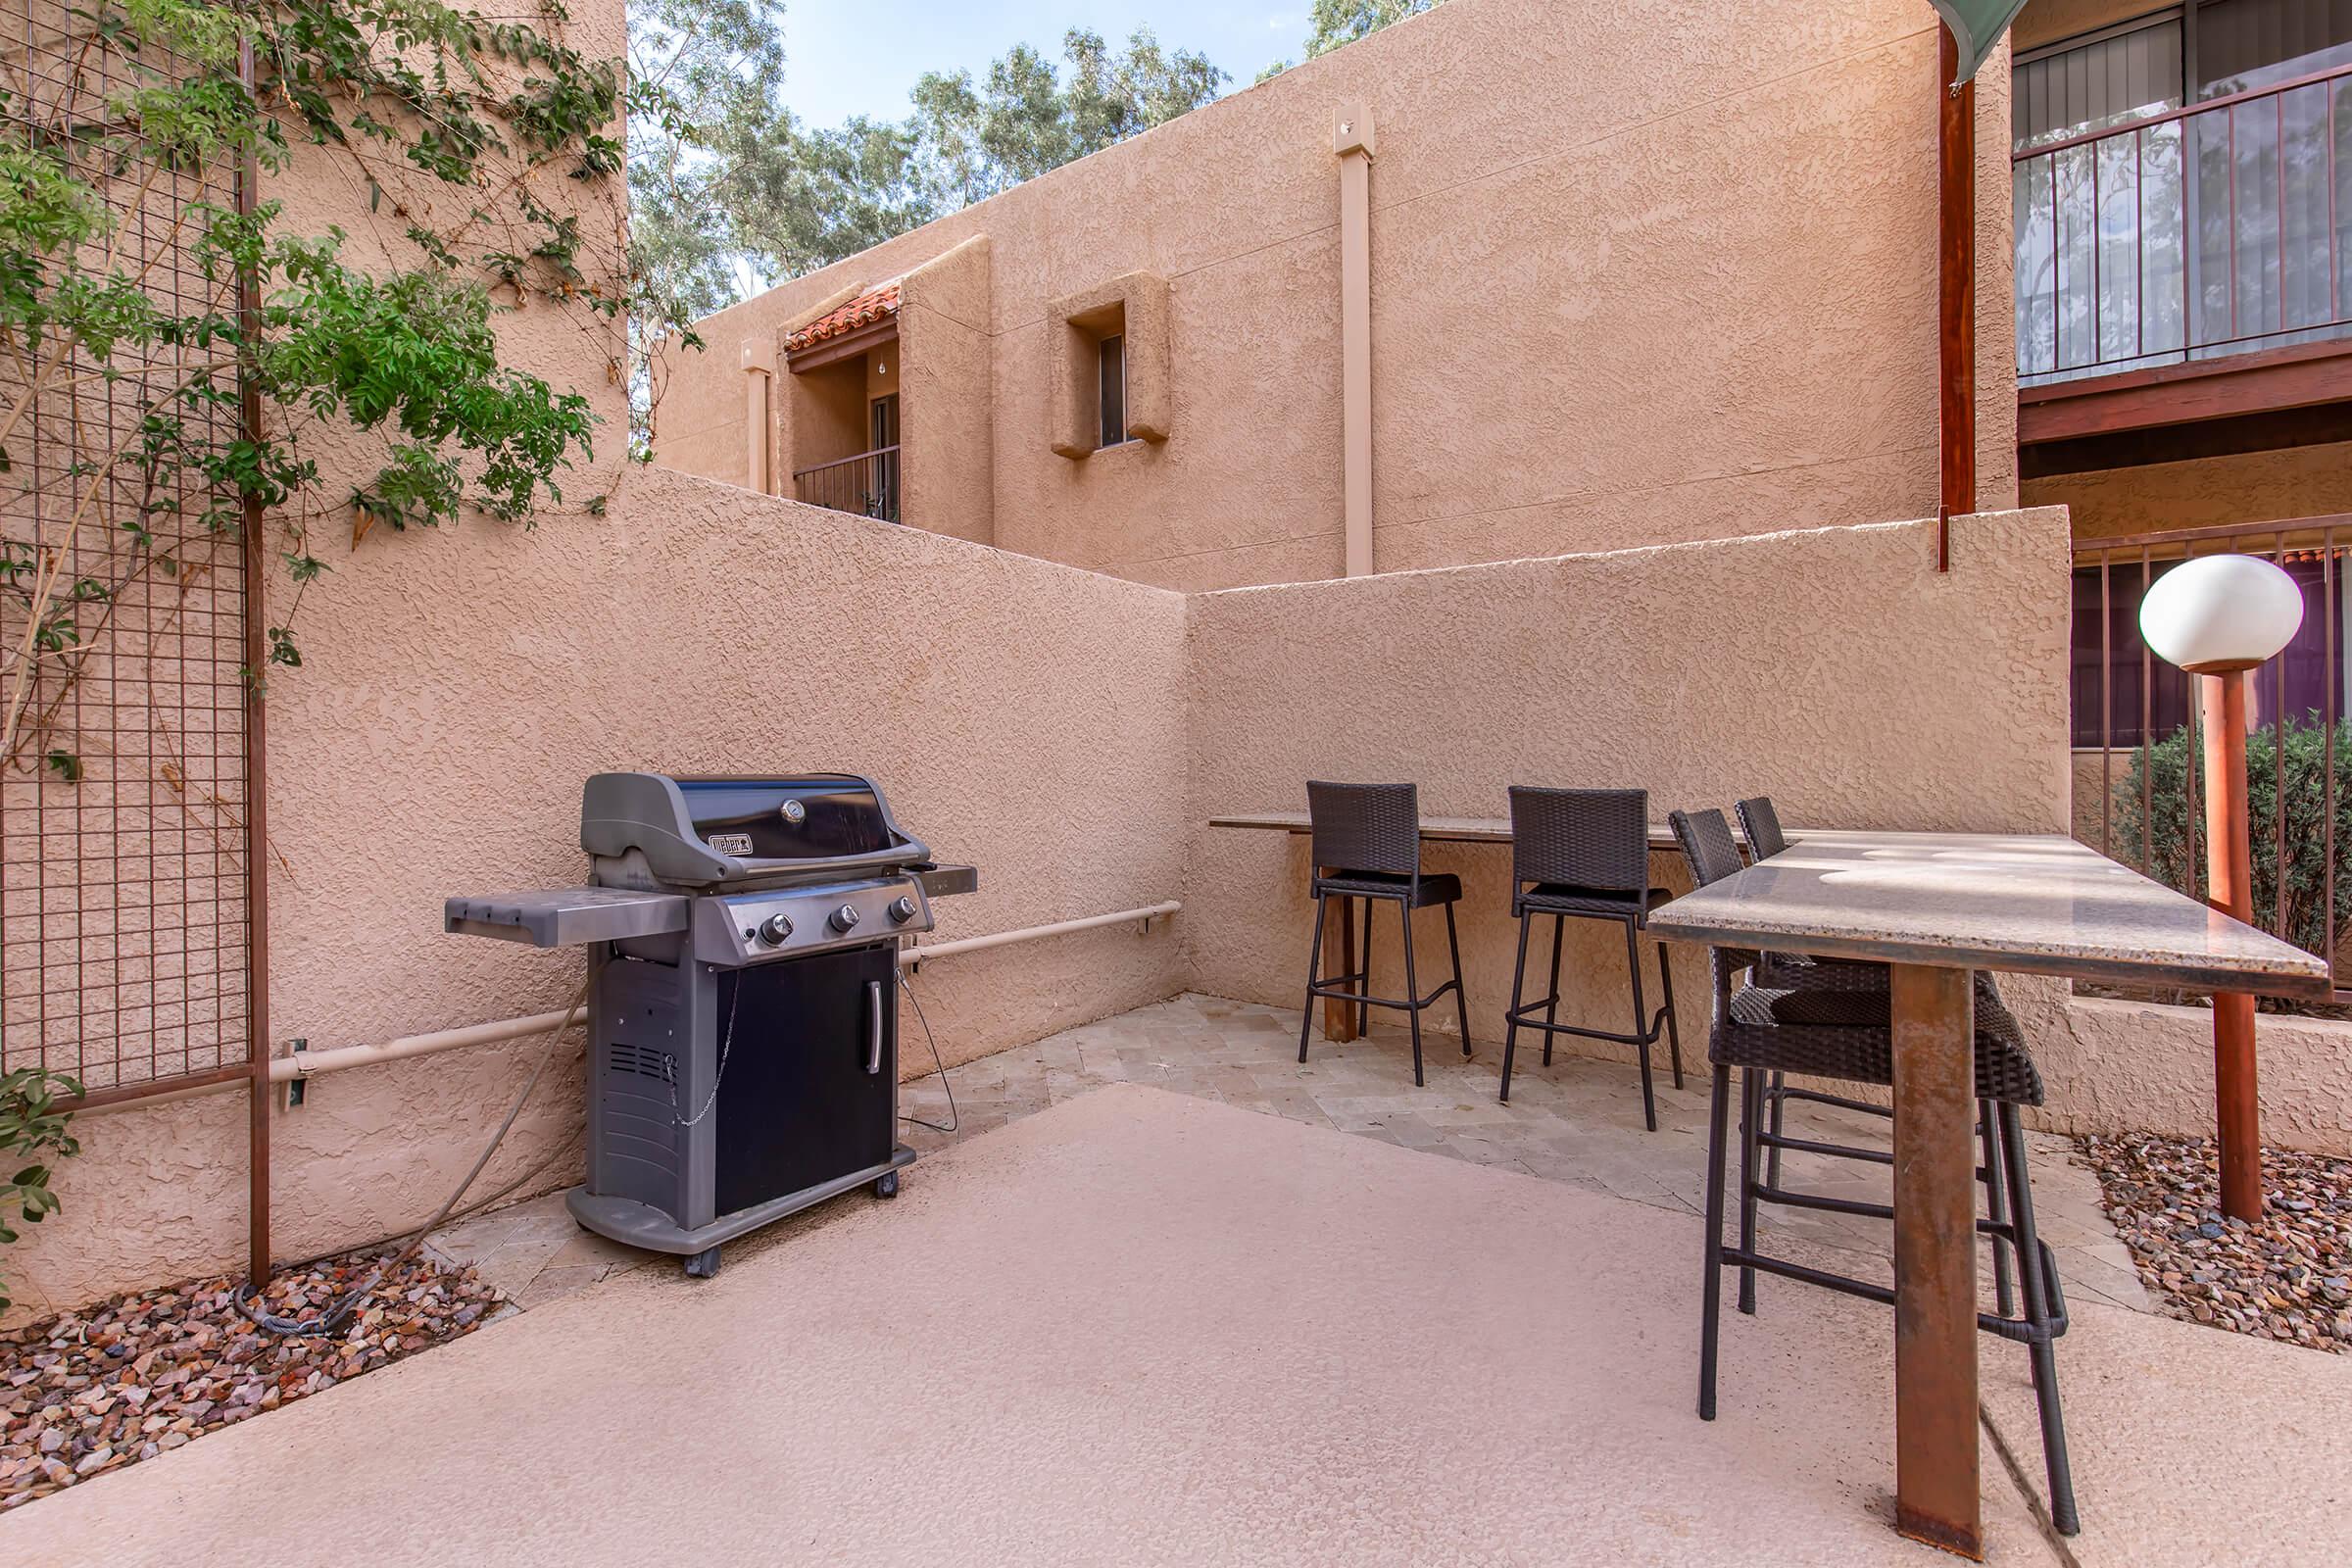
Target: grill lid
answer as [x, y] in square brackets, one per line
[704, 831]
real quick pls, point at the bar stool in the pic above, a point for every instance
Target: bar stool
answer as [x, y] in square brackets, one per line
[1844, 1034]
[1760, 823]
[1583, 854]
[1366, 844]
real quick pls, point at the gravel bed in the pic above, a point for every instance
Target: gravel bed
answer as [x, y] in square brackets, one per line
[89, 1391]
[2288, 1277]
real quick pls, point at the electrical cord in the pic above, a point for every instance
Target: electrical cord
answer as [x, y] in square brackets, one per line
[332, 1319]
[954, 1119]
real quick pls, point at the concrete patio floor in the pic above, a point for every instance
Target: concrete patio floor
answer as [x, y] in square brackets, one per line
[1143, 1328]
[1578, 1121]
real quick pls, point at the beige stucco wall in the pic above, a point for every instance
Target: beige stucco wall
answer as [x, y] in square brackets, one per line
[1640, 273]
[1701, 673]
[2244, 487]
[1020, 716]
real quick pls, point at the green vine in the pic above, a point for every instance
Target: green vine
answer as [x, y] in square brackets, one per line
[485, 158]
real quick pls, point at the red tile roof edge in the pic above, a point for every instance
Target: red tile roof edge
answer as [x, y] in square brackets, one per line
[867, 308]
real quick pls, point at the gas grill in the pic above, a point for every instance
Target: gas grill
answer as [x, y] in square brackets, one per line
[742, 937]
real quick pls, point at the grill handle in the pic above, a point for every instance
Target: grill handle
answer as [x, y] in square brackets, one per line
[873, 1032]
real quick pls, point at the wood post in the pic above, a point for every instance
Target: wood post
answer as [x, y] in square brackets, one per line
[1955, 294]
[2237, 1113]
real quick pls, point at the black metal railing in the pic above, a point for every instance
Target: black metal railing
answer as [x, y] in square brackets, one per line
[2221, 227]
[866, 485]
[2135, 723]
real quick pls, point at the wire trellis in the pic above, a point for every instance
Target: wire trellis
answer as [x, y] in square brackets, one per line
[126, 929]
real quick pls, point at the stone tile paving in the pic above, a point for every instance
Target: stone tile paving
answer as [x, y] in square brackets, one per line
[1578, 1121]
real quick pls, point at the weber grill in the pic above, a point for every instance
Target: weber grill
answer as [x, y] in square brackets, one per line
[743, 938]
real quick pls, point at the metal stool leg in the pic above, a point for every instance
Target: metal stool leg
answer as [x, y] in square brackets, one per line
[1363, 1009]
[1552, 1009]
[1314, 968]
[2040, 1295]
[1461, 992]
[1412, 990]
[1674, 1029]
[1995, 1209]
[1510, 1021]
[1752, 1113]
[1711, 1311]
[1633, 969]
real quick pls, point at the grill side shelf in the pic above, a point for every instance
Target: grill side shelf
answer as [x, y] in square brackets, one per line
[567, 917]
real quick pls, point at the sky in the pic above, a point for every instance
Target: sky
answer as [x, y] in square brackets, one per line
[850, 57]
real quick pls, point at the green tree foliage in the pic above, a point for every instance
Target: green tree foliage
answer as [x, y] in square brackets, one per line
[478, 147]
[738, 187]
[2164, 770]
[1333, 22]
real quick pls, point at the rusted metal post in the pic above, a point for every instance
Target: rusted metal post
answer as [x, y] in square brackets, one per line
[257, 755]
[1955, 294]
[1935, 1482]
[2237, 1113]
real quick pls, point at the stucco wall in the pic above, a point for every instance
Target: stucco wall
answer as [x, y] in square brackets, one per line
[1020, 716]
[2240, 488]
[1641, 274]
[1701, 673]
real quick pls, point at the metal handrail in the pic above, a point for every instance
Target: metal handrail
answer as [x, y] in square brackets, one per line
[2068, 296]
[855, 456]
[2186, 111]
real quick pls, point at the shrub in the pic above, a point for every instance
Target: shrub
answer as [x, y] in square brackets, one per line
[2166, 765]
[31, 1124]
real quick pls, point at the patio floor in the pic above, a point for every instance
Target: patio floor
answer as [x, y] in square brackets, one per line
[1578, 1121]
[1143, 1328]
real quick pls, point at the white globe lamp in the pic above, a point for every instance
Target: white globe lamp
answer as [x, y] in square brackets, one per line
[2218, 614]
[2217, 617]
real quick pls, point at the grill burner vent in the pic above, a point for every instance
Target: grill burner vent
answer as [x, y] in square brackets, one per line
[645, 1062]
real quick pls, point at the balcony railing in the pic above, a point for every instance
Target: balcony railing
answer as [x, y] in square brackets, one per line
[2136, 719]
[2214, 229]
[866, 485]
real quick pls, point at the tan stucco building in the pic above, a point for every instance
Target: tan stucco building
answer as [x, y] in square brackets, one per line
[1628, 277]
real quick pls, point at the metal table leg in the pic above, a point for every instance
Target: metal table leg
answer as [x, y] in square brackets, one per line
[1936, 1494]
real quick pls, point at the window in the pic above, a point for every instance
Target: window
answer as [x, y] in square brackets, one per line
[2149, 230]
[1110, 395]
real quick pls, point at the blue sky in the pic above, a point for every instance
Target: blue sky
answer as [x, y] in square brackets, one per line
[846, 57]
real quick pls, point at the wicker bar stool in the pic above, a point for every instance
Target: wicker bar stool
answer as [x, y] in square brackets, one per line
[1583, 854]
[1836, 1032]
[1760, 823]
[1366, 844]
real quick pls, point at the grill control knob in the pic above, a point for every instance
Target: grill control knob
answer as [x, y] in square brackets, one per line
[902, 909]
[843, 918]
[774, 929]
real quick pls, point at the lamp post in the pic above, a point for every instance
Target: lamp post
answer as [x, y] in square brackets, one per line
[2217, 617]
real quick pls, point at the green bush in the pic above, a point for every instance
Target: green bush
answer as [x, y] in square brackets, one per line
[31, 1124]
[2166, 767]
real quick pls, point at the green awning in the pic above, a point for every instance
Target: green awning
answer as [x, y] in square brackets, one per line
[1978, 25]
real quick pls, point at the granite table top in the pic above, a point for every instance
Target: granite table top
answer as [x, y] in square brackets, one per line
[2031, 904]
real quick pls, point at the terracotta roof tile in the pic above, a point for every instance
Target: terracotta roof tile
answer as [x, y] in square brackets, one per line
[865, 309]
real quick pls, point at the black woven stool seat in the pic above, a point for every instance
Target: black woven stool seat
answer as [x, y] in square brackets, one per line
[1760, 1034]
[1558, 898]
[1431, 888]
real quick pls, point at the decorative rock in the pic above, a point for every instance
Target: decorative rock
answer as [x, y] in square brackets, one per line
[2287, 1277]
[141, 1375]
